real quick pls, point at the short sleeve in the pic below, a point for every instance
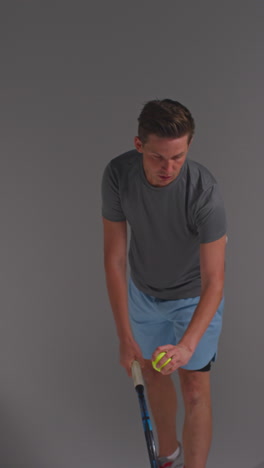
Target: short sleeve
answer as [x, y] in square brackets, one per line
[210, 216]
[111, 203]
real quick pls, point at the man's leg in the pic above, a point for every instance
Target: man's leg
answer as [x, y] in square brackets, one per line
[197, 431]
[163, 402]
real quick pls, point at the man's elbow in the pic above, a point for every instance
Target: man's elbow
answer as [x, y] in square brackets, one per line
[111, 261]
[215, 284]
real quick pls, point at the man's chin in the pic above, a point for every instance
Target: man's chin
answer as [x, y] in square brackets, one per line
[162, 182]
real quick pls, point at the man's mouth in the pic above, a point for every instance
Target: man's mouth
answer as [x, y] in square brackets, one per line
[163, 177]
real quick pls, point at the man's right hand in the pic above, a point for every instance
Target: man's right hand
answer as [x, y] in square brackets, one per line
[130, 351]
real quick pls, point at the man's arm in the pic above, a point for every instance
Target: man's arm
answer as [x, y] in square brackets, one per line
[212, 265]
[115, 263]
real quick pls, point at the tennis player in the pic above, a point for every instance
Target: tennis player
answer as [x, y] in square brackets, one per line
[173, 298]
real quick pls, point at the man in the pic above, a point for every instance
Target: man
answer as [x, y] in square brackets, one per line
[174, 299]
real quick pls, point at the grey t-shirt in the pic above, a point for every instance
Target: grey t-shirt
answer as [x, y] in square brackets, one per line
[167, 223]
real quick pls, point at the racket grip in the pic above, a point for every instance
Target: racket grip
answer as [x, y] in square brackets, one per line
[137, 374]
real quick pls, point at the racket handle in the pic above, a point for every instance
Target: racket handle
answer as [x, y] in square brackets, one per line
[137, 374]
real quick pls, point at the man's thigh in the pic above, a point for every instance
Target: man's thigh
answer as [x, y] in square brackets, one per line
[207, 348]
[150, 327]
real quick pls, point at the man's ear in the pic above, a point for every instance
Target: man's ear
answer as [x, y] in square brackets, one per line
[138, 144]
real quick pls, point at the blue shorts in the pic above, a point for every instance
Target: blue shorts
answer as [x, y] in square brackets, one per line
[157, 322]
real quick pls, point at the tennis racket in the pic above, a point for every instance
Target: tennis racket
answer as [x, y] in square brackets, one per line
[139, 386]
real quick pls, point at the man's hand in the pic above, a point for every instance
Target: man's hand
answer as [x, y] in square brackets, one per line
[179, 355]
[130, 351]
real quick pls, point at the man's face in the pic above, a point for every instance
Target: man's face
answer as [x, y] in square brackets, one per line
[163, 158]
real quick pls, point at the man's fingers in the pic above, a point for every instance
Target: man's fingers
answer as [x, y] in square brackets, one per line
[161, 349]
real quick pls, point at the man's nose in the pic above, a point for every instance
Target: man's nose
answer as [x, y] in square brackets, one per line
[167, 164]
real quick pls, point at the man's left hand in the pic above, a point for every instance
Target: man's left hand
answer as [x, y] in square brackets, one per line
[179, 354]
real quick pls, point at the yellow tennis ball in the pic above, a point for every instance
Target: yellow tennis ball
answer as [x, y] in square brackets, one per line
[158, 358]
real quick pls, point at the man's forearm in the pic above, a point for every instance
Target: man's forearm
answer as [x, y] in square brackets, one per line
[117, 291]
[209, 301]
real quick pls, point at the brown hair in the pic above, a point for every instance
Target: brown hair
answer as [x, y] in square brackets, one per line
[165, 118]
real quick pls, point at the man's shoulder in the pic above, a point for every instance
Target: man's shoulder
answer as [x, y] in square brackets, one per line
[199, 175]
[122, 168]
[124, 160]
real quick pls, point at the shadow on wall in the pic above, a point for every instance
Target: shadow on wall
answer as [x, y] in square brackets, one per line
[14, 448]
[261, 465]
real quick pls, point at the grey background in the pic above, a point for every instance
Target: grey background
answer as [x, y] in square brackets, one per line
[74, 77]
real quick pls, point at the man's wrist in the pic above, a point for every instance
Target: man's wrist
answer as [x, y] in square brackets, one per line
[126, 339]
[187, 345]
